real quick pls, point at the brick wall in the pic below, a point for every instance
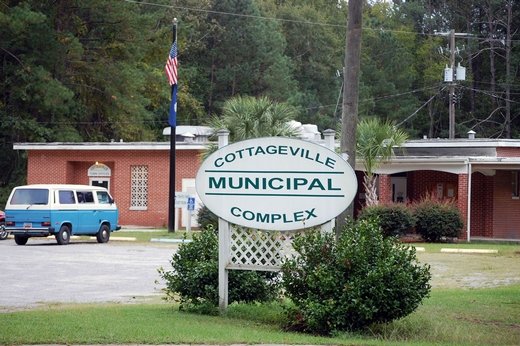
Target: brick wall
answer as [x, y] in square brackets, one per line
[435, 183]
[508, 152]
[481, 205]
[385, 188]
[506, 215]
[70, 167]
[462, 202]
[422, 182]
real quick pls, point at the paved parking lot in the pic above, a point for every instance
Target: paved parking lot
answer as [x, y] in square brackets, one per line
[83, 271]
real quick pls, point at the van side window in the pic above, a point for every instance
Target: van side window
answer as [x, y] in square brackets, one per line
[81, 198]
[102, 197]
[66, 197]
[89, 197]
[85, 196]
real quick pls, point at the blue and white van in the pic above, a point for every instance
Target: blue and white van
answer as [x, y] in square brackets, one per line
[41, 210]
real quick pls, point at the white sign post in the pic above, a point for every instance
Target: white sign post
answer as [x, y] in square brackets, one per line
[191, 207]
[184, 200]
[275, 183]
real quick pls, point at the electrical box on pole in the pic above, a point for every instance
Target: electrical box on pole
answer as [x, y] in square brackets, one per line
[448, 74]
[461, 72]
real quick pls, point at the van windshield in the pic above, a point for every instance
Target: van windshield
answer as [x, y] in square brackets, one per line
[30, 196]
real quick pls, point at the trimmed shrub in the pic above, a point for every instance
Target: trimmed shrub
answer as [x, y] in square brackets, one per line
[437, 220]
[206, 218]
[395, 219]
[193, 282]
[348, 284]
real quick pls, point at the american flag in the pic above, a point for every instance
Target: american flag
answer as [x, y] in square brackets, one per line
[171, 65]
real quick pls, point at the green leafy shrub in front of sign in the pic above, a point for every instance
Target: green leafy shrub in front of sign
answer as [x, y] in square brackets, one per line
[193, 280]
[206, 218]
[395, 219]
[437, 220]
[350, 283]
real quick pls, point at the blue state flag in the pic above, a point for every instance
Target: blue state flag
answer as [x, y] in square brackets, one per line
[172, 119]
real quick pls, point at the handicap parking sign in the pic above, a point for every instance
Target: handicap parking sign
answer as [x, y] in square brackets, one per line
[191, 203]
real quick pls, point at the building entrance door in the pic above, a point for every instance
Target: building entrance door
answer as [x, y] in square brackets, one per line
[399, 189]
[103, 182]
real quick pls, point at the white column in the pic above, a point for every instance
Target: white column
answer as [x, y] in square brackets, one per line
[328, 136]
[224, 239]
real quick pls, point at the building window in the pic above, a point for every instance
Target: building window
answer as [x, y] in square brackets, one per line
[515, 188]
[139, 188]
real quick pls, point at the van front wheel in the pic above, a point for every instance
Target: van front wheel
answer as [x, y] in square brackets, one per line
[103, 235]
[63, 236]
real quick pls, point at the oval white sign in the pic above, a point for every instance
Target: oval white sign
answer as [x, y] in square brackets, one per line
[276, 183]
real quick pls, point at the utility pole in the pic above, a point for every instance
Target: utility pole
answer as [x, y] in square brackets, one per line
[349, 113]
[450, 77]
[451, 132]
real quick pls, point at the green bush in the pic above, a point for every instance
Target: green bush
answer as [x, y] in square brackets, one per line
[206, 218]
[437, 220]
[395, 219]
[194, 278]
[348, 284]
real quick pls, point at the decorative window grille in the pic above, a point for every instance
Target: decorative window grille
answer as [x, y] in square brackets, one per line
[139, 187]
[259, 250]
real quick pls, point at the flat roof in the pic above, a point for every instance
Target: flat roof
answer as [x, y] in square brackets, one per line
[108, 146]
[461, 143]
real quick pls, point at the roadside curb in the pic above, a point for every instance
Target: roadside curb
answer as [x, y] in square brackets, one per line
[485, 251]
[165, 240]
[456, 250]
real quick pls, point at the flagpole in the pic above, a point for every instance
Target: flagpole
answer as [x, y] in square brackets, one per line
[171, 204]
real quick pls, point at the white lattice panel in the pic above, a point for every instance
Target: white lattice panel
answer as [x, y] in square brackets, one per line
[139, 186]
[257, 250]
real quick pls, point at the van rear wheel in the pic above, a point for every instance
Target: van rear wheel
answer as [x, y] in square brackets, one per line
[20, 239]
[63, 236]
[103, 235]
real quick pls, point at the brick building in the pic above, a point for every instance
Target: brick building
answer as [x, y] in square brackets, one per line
[136, 173]
[482, 175]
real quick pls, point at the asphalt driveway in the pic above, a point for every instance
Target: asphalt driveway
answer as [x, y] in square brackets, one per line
[81, 272]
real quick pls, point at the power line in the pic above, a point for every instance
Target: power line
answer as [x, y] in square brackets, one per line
[488, 93]
[236, 14]
[418, 109]
[195, 9]
[371, 99]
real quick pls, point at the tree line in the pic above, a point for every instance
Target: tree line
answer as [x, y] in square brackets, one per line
[92, 70]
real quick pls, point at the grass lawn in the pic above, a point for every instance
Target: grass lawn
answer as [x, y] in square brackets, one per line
[504, 249]
[452, 317]
[146, 236]
[465, 308]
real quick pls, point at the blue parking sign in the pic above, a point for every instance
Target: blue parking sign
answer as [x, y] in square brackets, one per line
[191, 203]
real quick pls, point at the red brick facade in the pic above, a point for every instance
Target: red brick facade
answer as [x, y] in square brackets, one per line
[71, 166]
[494, 210]
[385, 188]
[506, 211]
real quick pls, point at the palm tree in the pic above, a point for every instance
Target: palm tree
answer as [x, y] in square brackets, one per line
[375, 143]
[247, 117]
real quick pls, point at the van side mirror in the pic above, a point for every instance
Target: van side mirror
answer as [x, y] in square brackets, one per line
[110, 200]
